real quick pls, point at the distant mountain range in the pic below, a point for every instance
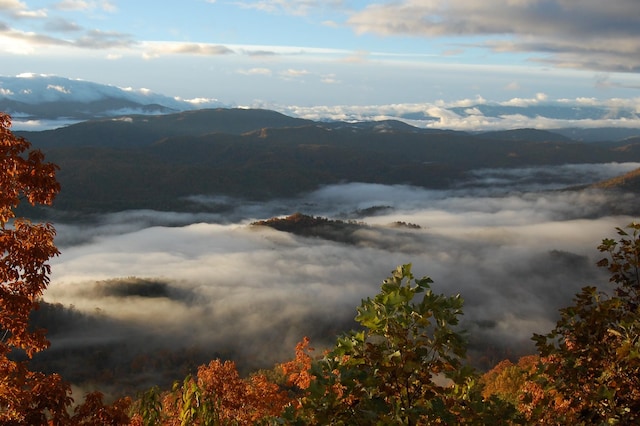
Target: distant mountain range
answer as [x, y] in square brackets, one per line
[46, 97]
[159, 162]
[39, 102]
[134, 149]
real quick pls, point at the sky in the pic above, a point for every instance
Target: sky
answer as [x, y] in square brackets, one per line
[309, 53]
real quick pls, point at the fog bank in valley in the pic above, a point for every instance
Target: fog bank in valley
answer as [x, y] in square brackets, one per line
[216, 282]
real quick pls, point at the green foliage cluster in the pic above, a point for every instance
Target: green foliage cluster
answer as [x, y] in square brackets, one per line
[594, 350]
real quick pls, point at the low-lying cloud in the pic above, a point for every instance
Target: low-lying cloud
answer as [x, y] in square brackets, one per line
[479, 114]
[180, 280]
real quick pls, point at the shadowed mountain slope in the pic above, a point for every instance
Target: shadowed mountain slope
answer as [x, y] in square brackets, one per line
[157, 161]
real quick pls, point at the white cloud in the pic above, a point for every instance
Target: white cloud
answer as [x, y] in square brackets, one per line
[540, 97]
[152, 50]
[439, 114]
[294, 73]
[40, 13]
[18, 9]
[201, 102]
[58, 88]
[12, 5]
[82, 5]
[72, 5]
[464, 102]
[329, 79]
[256, 71]
[292, 7]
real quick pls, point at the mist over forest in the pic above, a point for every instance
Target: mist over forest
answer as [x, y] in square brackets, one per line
[168, 290]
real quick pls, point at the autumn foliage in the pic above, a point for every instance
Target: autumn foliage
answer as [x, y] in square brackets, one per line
[588, 368]
[26, 248]
[28, 397]
[219, 389]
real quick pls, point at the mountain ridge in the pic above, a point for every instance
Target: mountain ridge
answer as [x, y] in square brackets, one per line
[158, 162]
[49, 97]
[38, 102]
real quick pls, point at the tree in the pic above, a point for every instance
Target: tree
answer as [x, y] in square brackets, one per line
[27, 397]
[24, 274]
[217, 395]
[591, 368]
[404, 367]
[513, 384]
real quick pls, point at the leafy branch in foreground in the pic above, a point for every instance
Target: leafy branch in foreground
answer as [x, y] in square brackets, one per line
[29, 397]
[405, 366]
[589, 366]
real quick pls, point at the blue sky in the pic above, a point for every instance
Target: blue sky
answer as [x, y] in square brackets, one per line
[333, 52]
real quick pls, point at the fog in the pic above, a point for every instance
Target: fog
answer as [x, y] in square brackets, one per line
[516, 250]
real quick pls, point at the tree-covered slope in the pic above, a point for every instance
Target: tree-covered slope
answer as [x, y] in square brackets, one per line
[154, 162]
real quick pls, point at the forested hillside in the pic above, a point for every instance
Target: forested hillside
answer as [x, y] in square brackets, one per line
[158, 161]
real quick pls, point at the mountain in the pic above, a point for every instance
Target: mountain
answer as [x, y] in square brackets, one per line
[159, 162]
[627, 182]
[140, 130]
[47, 97]
[531, 135]
[598, 134]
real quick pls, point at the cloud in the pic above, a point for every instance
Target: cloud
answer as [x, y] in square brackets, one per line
[520, 102]
[253, 52]
[62, 25]
[604, 81]
[201, 101]
[97, 39]
[18, 9]
[294, 73]
[12, 5]
[539, 111]
[587, 34]
[40, 13]
[58, 88]
[82, 5]
[256, 71]
[329, 79]
[21, 42]
[214, 281]
[156, 49]
[72, 5]
[291, 7]
[91, 39]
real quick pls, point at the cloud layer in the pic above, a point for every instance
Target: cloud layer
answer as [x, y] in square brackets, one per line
[587, 34]
[219, 283]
